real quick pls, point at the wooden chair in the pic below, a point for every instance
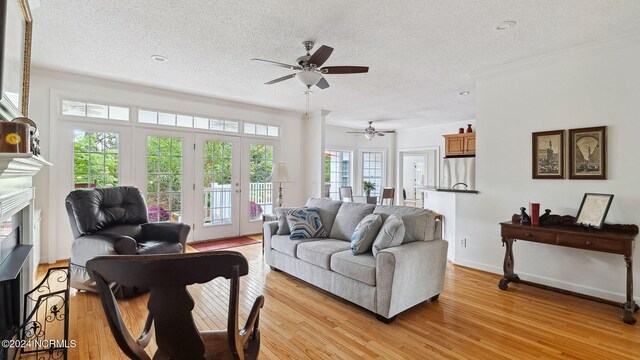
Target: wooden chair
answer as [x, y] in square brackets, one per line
[387, 194]
[346, 193]
[170, 304]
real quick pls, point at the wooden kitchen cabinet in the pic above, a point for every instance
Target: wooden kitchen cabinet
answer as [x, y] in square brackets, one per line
[460, 144]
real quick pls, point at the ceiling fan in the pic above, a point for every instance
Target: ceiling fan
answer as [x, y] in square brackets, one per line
[370, 132]
[310, 73]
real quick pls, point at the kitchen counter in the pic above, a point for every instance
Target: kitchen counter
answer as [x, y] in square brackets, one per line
[464, 191]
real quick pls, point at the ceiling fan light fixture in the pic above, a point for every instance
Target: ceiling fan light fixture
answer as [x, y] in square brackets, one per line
[308, 78]
[369, 136]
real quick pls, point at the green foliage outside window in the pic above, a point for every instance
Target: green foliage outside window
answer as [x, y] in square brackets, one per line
[95, 159]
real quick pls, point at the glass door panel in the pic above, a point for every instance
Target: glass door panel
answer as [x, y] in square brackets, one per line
[257, 190]
[217, 187]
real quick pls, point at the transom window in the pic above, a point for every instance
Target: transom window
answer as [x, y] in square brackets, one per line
[372, 163]
[259, 129]
[92, 110]
[95, 159]
[187, 121]
[164, 178]
[337, 171]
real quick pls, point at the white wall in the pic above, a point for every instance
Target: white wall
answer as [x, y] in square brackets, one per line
[313, 133]
[337, 138]
[591, 87]
[49, 182]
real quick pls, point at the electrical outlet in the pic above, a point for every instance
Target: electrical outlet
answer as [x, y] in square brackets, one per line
[463, 242]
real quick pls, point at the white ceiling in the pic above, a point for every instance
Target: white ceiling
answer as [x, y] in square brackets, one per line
[419, 52]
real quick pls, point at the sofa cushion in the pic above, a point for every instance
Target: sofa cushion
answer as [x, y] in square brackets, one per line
[319, 252]
[328, 210]
[283, 244]
[420, 224]
[305, 223]
[391, 234]
[361, 267]
[281, 215]
[364, 233]
[348, 217]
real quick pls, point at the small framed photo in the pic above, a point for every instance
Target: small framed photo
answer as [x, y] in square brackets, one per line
[594, 209]
[548, 155]
[588, 153]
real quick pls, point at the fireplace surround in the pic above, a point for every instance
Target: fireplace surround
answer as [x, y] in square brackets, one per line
[17, 263]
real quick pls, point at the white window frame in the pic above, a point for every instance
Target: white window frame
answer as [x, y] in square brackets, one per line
[361, 168]
[352, 164]
[89, 100]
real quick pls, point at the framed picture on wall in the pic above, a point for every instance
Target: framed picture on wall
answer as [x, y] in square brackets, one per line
[588, 153]
[548, 155]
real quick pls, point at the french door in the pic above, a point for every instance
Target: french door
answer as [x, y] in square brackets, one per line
[217, 187]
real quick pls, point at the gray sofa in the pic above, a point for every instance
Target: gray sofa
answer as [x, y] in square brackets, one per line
[396, 279]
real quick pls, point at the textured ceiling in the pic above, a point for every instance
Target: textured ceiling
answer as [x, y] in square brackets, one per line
[419, 52]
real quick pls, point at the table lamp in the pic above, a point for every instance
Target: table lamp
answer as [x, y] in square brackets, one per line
[279, 174]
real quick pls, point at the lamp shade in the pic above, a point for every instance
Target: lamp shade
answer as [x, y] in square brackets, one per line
[308, 77]
[369, 136]
[279, 173]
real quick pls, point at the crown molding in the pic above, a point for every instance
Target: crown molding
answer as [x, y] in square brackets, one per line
[558, 56]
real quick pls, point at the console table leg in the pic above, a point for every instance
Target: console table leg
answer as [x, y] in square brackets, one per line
[509, 275]
[629, 306]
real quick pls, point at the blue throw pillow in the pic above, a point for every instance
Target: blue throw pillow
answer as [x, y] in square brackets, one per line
[305, 223]
[365, 233]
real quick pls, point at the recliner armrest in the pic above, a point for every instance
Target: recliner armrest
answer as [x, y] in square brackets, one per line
[87, 247]
[166, 231]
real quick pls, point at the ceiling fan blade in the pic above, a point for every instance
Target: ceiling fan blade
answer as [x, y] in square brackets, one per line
[356, 132]
[344, 69]
[280, 79]
[321, 55]
[387, 131]
[292, 67]
[322, 84]
[378, 133]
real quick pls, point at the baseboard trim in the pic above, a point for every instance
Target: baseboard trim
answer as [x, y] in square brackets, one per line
[582, 289]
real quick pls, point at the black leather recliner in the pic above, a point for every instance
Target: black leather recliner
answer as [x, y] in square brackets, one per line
[113, 221]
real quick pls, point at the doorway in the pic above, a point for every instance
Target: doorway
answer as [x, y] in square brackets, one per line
[417, 170]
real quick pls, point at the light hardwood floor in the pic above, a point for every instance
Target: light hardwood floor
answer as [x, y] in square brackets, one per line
[472, 319]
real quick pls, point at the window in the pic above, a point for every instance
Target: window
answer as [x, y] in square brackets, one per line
[99, 111]
[164, 178]
[259, 129]
[337, 171]
[187, 121]
[372, 162]
[95, 159]
[260, 188]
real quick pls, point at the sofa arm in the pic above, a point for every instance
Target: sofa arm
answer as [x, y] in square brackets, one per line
[166, 231]
[409, 274]
[87, 247]
[269, 228]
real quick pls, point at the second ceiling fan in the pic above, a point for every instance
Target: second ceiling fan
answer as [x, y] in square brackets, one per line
[311, 73]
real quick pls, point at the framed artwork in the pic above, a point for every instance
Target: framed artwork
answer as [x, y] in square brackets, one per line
[593, 209]
[15, 58]
[548, 155]
[588, 153]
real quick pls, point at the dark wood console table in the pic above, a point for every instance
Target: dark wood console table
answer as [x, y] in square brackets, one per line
[615, 239]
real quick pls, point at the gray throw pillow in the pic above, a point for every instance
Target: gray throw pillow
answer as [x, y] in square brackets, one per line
[391, 234]
[365, 233]
[281, 215]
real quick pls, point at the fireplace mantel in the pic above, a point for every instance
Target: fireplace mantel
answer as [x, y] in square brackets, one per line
[17, 165]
